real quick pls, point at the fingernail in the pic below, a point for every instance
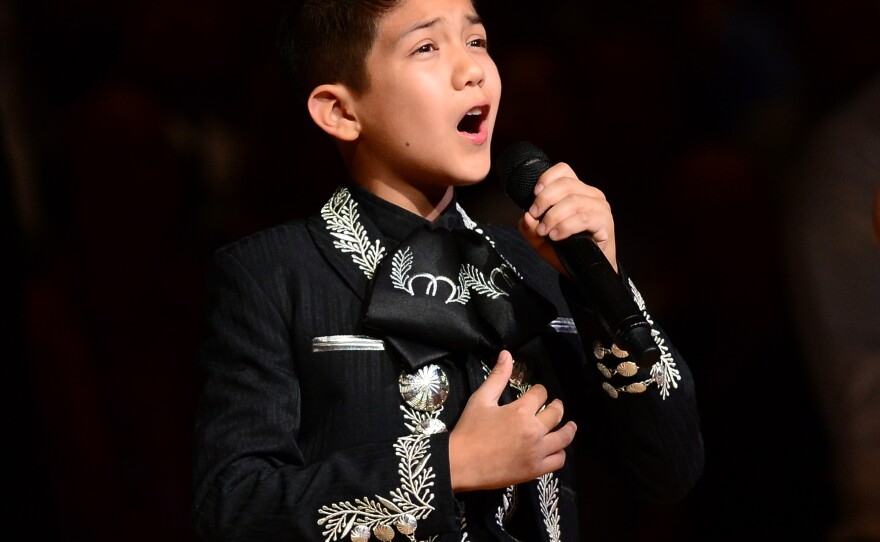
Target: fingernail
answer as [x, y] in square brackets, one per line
[533, 210]
[554, 234]
[541, 229]
[538, 188]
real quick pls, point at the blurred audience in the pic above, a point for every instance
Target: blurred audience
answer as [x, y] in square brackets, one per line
[834, 273]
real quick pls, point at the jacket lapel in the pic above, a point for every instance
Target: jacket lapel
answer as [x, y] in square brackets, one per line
[351, 245]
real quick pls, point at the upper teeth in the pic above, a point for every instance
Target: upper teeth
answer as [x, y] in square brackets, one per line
[475, 111]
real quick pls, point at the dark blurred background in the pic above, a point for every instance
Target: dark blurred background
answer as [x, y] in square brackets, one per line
[139, 136]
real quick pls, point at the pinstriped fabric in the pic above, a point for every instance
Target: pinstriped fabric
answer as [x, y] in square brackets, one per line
[283, 430]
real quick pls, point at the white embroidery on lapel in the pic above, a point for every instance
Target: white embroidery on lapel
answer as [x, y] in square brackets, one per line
[413, 497]
[341, 215]
[664, 372]
[342, 218]
[471, 225]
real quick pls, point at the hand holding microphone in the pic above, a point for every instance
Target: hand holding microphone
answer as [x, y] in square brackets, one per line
[520, 167]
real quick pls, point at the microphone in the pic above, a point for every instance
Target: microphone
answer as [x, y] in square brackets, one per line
[519, 168]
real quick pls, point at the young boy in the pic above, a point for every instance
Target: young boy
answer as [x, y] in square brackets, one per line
[360, 382]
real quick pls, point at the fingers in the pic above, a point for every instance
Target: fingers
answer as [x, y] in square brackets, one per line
[576, 214]
[561, 438]
[551, 415]
[534, 399]
[490, 391]
[555, 445]
[564, 205]
[555, 184]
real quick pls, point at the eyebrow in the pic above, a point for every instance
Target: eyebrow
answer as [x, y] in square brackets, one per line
[472, 18]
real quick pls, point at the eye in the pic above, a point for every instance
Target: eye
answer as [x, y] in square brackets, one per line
[481, 43]
[424, 49]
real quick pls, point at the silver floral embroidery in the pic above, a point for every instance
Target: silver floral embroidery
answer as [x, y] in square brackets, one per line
[548, 495]
[471, 225]
[343, 220]
[664, 373]
[469, 278]
[474, 279]
[508, 506]
[413, 497]
[401, 264]
[422, 422]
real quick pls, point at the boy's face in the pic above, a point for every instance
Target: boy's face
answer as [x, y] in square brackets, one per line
[428, 114]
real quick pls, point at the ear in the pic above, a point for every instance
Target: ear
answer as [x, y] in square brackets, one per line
[331, 107]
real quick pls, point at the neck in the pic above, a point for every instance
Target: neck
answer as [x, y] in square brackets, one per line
[428, 205]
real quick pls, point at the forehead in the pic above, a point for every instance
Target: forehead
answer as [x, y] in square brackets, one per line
[410, 15]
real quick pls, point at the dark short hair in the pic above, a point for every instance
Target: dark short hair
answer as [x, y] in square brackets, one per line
[327, 41]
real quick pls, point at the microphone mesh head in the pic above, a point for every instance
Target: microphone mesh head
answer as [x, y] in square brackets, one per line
[519, 168]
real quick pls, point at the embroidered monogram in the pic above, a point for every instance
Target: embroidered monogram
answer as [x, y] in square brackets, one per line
[341, 215]
[413, 497]
[664, 373]
[401, 264]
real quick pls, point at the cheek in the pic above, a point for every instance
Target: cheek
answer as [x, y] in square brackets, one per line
[493, 78]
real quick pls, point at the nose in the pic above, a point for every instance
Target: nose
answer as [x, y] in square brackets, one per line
[468, 71]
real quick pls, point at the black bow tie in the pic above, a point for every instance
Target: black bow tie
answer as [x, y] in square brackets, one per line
[449, 291]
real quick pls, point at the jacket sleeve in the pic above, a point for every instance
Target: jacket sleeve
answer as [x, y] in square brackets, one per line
[250, 477]
[651, 440]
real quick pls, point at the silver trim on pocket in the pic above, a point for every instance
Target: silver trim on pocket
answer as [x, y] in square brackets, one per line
[563, 325]
[338, 343]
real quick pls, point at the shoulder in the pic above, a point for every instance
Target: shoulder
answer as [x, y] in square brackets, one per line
[278, 247]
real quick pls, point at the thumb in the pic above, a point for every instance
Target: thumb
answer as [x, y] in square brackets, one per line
[497, 380]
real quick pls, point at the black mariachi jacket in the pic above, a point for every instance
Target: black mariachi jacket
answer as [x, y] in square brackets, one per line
[304, 430]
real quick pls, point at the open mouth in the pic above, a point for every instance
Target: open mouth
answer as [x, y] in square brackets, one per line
[473, 120]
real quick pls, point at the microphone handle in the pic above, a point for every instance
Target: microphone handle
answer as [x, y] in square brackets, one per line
[617, 311]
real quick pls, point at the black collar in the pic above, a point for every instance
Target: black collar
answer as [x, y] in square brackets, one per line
[396, 223]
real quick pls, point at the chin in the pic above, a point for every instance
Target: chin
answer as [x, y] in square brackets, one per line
[471, 178]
